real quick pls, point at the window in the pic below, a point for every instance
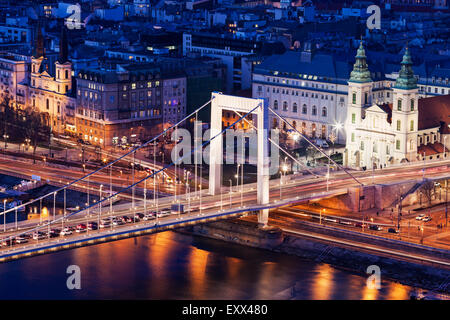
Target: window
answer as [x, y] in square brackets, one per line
[354, 97]
[313, 130]
[285, 106]
[399, 125]
[411, 127]
[362, 146]
[387, 149]
[375, 147]
[412, 104]
[365, 98]
[67, 74]
[294, 107]
[304, 109]
[275, 104]
[353, 118]
[397, 144]
[353, 137]
[314, 110]
[399, 105]
[47, 104]
[324, 112]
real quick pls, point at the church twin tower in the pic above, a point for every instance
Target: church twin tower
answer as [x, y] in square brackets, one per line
[385, 134]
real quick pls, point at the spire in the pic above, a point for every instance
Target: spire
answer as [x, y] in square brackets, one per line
[360, 71]
[39, 45]
[63, 47]
[406, 79]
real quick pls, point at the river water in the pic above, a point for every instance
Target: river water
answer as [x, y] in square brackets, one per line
[171, 265]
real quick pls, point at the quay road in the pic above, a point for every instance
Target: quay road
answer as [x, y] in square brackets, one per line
[294, 191]
[59, 175]
[137, 226]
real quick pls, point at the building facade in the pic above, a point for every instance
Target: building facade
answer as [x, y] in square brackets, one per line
[400, 131]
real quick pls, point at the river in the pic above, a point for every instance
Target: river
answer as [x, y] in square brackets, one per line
[171, 265]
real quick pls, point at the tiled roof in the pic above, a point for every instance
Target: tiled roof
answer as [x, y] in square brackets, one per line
[435, 112]
[431, 149]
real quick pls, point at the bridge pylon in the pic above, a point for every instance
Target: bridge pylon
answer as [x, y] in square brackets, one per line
[222, 102]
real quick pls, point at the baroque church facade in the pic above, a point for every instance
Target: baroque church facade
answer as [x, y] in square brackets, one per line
[406, 130]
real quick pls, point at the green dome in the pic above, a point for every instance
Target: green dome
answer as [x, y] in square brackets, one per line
[360, 71]
[406, 79]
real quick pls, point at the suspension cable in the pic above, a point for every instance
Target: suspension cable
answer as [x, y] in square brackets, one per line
[282, 149]
[109, 164]
[132, 185]
[318, 149]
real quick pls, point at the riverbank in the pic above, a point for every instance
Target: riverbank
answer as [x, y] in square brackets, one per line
[349, 259]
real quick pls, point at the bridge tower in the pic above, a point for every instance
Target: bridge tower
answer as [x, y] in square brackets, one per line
[222, 102]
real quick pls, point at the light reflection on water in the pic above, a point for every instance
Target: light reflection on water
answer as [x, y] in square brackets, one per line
[175, 266]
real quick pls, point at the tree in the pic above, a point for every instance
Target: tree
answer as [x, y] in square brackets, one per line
[36, 129]
[428, 191]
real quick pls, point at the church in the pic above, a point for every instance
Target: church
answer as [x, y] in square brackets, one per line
[402, 130]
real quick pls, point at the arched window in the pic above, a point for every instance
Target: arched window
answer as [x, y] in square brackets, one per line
[304, 109]
[294, 124]
[313, 130]
[314, 110]
[284, 126]
[285, 106]
[324, 111]
[275, 105]
[324, 132]
[303, 127]
[294, 107]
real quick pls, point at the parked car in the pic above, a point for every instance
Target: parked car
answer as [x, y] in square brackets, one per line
[21, 239]
[92, 226]
[392, 230]
[38, 235]
[66, 232]
[426, 219]
[375, 227]
[54, 233]
[149, 216]
[420, 217]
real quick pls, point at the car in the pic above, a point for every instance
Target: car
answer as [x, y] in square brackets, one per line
[105, 224]
[54, 233]
[118, 222]
[39, 235]
[9, 242]
[426, 219]
[164, 213]
[149, 216]
[360, 225]
[21, 239]
[139, 216]
[127, 219]
[420, 217]
[393, 230]
[330, 220]
[375, 227]
[66, 232]
[92, 226]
